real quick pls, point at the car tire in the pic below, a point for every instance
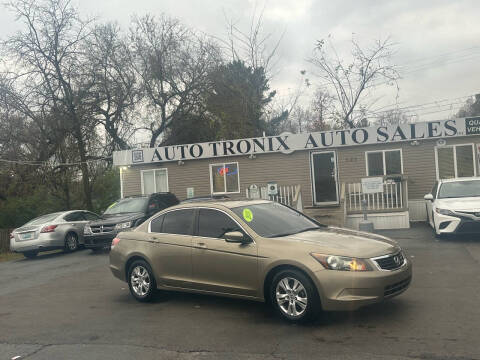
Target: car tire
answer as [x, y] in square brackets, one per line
[141, 281]
[294, 296]
[30, 254]
[71, 242]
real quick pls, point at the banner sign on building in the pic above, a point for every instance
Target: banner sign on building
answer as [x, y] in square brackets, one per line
[287, 143]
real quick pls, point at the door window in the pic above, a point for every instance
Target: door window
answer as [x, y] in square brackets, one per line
[156, 224]
[214, 224]
[75, 216]
[324, 177]
[178, 222]
[90, 216]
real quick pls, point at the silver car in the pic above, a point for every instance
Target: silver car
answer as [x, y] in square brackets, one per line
[61, 230]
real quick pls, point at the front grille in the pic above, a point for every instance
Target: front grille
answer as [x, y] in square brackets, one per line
[469, 227]
[390, 262]
[101, 229]
[393, 289]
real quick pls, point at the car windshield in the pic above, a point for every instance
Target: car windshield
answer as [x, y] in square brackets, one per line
[127, 205]
[43, 219]
[274, 219]
[459, 189]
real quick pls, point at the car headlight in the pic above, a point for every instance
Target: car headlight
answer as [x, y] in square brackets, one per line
[445, 212]
[123, 225]
[87, 230]
[342, 263]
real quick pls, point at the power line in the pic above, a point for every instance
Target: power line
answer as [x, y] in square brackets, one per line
[44, 163]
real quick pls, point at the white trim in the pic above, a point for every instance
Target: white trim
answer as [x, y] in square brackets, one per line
[154, 179]
[312, 178]
[455, 170]
[121, 182]
[224, 179]
[383, 160]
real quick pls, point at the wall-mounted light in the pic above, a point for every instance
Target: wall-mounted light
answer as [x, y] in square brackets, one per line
[252, 156]
[180, 162]
[124, 167]
[415, 143]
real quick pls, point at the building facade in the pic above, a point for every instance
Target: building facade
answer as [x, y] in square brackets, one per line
[325, 174]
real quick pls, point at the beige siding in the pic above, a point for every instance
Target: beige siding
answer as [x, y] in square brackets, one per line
[293, 169]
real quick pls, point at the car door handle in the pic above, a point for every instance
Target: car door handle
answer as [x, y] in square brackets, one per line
[202, 245]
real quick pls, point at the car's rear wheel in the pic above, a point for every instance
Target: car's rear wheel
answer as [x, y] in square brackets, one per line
[71, 242]
[294, 297]
[141, 281]
[30, 254]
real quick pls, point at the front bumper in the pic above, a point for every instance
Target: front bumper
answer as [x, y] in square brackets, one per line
[445, 224]
[100, 240]
[345, 290]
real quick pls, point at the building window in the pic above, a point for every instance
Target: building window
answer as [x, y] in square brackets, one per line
[455, 161]
[385, 162]
[224, 178]
[154, 181]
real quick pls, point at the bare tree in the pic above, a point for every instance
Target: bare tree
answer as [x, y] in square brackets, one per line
[114, 92]
[369, 68]
[253, 46]
[173, 64]
[49, 75]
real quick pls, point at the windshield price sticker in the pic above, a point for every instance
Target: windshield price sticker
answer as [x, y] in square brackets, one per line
[247, 215]
[111, 205]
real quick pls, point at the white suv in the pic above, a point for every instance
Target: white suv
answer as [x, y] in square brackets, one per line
[453, 206]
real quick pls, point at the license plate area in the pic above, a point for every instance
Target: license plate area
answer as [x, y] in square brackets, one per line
[26, 236]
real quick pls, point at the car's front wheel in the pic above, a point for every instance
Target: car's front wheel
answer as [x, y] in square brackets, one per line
[71, 242]
[141, 281]
[294, 296]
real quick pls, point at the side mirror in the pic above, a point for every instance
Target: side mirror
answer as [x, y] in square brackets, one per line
[236, 237]
[428, 197]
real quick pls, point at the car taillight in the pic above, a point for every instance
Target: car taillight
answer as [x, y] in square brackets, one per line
[115, 241]
[49, 228]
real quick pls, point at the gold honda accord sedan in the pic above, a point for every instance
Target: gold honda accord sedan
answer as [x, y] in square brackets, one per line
[259, 250]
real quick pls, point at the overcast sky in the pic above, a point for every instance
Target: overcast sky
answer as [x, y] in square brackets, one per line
[438, 42]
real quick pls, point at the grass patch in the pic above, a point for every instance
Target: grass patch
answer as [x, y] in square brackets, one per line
[8, 256]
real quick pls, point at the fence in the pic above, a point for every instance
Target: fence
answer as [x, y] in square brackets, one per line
[392, 197]
[4, 240]
[287, 194]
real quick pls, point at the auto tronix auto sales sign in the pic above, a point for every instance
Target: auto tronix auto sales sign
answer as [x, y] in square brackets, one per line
[287, 143]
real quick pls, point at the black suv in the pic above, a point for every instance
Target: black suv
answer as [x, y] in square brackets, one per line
[125, 214]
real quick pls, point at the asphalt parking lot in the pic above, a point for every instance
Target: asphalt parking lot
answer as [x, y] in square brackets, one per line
[69, 306]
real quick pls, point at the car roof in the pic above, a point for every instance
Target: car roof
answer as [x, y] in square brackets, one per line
[225, 203]
[459, 179]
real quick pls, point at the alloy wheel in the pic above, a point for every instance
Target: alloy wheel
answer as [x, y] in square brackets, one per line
[140, 281]
[71, 242]
[291, 297]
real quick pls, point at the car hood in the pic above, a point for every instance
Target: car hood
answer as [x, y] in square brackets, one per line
[465, 203]
[117, 218]
[345, 242]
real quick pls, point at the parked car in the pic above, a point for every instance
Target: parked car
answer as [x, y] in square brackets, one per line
[453, 206]
[259, 250]
[125, 214]
[60, 230]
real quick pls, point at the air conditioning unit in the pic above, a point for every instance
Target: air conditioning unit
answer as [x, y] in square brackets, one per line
[272, 189]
